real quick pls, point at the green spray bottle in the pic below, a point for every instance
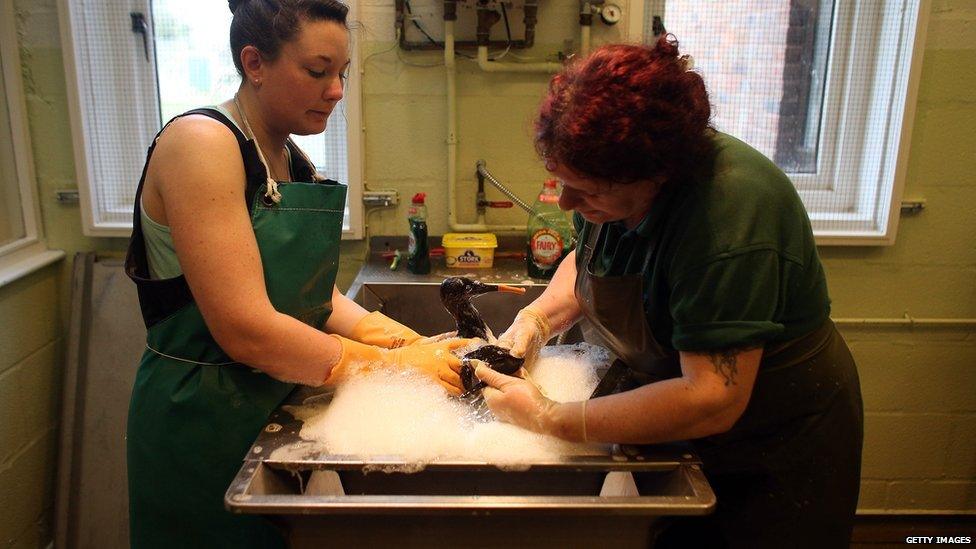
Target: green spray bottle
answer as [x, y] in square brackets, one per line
[418, 250]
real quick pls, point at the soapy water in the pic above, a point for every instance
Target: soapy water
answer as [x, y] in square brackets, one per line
[404, 417]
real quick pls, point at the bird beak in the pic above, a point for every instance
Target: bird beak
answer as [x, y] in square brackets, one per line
[510, 289]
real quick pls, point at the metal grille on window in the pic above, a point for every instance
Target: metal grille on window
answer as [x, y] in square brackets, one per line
[119, 97]
[139, 63]
[764, 69]
[818, 86]
[196, 69]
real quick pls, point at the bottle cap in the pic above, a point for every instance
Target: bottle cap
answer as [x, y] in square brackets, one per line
[419, 198]
[550, 184]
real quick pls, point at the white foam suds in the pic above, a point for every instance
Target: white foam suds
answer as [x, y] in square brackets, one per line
[568, 373]
[404, 416]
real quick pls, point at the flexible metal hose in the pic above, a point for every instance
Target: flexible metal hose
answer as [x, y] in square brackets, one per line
[483, 170]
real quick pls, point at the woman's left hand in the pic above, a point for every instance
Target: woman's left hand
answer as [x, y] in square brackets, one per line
[515, 400]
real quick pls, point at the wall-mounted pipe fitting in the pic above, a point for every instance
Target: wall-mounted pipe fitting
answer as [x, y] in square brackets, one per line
[486, 19]
[403, 18]
[450, 10]
[586, 14]
[399, 16]
[586, 25]
[492, 66]
[483, 174]
[530, 20]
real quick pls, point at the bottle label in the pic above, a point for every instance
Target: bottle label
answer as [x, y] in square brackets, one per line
[549, 198]
[411, 243]
[547, 246]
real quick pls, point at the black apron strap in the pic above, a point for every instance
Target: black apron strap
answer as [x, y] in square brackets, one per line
[787, 475]
[254, 170]
[158, 299]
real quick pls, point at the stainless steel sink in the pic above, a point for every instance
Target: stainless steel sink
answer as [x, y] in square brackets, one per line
[418, 305]
[467, 506]
[614, 495]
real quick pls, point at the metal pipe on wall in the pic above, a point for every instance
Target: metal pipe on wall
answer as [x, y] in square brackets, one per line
[490, 66]
[908, 320]
[586, 24]
[495, 66]
[585, 21]
[450, 66]
[402, 15]
[451, 72]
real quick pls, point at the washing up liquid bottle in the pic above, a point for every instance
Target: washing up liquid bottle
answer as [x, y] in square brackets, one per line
[549, 234]
[418, 251]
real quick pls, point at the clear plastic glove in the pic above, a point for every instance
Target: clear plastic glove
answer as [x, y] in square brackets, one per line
[382, 331]
[439, 337]
[529, 332]
[515, 400]
[436, 360]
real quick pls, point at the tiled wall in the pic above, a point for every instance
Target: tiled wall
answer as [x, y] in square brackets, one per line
[920, 441]
[31, 353]
[919, 384]
[920, 418]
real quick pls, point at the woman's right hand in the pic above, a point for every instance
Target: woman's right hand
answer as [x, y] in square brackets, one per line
[529, 332]
[553, 312]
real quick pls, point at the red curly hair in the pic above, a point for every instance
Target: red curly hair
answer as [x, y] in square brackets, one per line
[626, 113]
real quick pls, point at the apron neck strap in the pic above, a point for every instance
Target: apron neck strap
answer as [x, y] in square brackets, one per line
[271, 187]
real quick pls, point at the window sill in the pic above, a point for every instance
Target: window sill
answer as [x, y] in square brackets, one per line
[23, 262]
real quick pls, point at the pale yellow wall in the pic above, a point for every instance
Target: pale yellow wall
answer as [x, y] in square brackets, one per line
[920, 385]
[920, 442]
[406, 128]
[921, 413]
[31, 353]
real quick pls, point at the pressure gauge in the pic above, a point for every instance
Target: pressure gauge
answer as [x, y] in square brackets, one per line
[611, 14]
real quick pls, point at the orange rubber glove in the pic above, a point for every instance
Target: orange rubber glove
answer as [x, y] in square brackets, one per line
[435, 360]
[382, 331]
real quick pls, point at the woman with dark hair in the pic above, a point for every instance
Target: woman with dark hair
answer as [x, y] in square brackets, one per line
[697, 267]
[234, 253]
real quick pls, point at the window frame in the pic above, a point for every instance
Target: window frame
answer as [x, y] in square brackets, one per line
[28, 253]
[851, 89]
[77, 82]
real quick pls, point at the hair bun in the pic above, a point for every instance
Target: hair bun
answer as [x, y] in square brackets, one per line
[233, 4]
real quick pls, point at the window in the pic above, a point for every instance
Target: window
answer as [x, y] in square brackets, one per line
[138, 63]
[22, 249]
[825, 88]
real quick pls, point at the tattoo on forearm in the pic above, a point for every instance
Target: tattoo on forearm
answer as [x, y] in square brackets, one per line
[725, 364]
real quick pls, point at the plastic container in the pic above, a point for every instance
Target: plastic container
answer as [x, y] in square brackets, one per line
[418, 250]
[469, 250]
[550, 236]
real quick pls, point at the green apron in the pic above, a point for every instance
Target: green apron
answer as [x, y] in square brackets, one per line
[787, 473]
[195, 412]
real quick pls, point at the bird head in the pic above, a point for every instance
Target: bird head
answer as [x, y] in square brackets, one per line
[461, 287]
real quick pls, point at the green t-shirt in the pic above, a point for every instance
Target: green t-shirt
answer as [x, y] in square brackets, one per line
[731, 259]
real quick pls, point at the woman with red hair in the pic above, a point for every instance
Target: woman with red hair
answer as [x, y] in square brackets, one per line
[697, 266]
